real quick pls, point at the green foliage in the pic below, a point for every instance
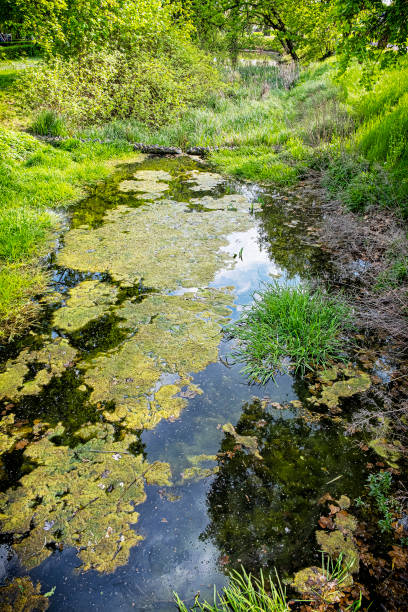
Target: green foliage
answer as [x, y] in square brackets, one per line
[290, 328]
[373, 32]
[244, 592]
[257, 40]
[89, 25]
[152, 86]
[16, 51]
[302, 30]
[379, 488]
[48, 123]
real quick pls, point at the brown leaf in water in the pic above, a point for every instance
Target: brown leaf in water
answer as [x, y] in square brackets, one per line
[325, 522]
[224, 560]
[21, 444]
[399, 557]
[333, 509]
[325, 498]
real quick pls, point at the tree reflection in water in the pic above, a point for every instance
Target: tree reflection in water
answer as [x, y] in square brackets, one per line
[263, 514]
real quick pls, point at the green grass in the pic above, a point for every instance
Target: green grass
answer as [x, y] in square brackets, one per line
[48, 123]
[34, 179]
[244, 593]
[294, 328]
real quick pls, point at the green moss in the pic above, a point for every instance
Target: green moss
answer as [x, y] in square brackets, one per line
[52, 359]
[22, 596]
[150, 183]
[171, 334]
[196, 473]
[389, 452]
[335, 543]
[9, 435]
[204, 181]
[83, 497]
[87, 301]
[163, 243]
[248, 442]
[355, 381]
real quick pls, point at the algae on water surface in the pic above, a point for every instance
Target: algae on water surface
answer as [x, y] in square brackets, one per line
[85, 496]
[82, 497]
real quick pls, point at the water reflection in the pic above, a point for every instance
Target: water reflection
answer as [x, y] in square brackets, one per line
[264, 513]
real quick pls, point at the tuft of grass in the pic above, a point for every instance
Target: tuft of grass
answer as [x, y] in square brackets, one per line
[395, 275]
[257, 164]
[18, 285]
[21, 231]
[290, 328]
[48, 123]
[244, 592]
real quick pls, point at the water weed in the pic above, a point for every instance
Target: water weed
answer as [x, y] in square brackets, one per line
[290, 328]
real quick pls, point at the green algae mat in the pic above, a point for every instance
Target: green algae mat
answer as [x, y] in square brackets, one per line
[84, 489]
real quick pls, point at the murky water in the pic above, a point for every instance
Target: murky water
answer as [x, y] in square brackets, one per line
[120, 484]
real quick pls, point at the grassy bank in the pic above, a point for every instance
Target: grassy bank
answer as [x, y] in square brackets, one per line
[36, 181]
[357, 138]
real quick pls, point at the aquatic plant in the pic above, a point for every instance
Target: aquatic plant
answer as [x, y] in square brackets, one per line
[244, 592]
[379, 488]
[290, 328]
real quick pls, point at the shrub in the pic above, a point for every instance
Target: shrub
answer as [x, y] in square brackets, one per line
[48, 123]
[151, 85]
[290, 328]
[16, 51]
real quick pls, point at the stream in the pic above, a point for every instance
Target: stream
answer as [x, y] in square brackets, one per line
[121, 479]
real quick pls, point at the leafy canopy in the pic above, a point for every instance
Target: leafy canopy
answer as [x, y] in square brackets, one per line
[71, 27]
[375, 32]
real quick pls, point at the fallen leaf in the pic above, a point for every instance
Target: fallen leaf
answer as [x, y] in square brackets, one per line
[325, 498]
[325, 522]
[224, 560]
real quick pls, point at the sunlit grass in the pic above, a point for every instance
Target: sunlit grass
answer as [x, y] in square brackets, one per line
[244, 593]
[287, 327]
[34, 179]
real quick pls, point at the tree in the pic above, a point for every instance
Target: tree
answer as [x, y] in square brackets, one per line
[304, 29]
[373, 31]
[71, 27]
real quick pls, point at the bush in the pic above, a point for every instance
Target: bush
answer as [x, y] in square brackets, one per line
[151, 85]
[16, 51]
[290, 328]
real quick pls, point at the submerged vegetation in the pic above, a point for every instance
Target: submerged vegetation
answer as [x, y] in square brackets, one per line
[290, 328]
